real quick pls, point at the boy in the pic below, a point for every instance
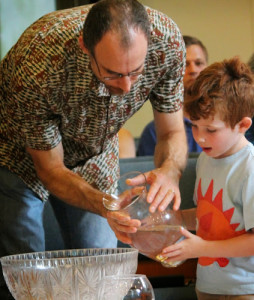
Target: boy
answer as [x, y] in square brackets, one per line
[221, 105]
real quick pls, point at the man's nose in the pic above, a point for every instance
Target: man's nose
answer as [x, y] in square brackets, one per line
[192, 68]
[125, 83]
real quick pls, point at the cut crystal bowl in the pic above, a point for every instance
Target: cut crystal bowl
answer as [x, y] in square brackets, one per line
[66, 274]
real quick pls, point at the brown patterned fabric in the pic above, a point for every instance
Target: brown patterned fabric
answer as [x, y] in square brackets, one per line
[48, 94]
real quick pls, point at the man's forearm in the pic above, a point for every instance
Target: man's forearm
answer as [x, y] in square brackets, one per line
[171, 152]
[63, 183]
[73, 189]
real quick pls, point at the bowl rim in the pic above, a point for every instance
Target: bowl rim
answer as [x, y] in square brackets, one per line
[23, 257]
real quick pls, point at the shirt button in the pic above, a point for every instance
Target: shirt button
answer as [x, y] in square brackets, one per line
[114, 99]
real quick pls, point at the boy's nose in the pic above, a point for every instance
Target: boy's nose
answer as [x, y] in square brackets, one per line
[201, 139]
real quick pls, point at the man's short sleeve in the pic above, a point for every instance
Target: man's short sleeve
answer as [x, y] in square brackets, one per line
[166, 59]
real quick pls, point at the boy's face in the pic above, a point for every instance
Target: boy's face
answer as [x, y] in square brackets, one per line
[216, 138]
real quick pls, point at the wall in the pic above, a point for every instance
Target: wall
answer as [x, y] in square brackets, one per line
[16, 16]
[225, 27]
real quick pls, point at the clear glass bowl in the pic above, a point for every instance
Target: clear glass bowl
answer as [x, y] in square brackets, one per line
[158, 230]
[68, 274]
[126, 287]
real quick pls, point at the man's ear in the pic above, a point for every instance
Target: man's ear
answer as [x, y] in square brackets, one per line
[82, 45]
[244, 124]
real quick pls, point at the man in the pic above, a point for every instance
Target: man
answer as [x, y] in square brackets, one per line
[65, 91]
[196, 61]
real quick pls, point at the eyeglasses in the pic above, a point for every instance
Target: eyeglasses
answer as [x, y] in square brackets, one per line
[131, 75]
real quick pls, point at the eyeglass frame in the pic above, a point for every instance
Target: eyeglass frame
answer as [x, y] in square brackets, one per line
[118, 76]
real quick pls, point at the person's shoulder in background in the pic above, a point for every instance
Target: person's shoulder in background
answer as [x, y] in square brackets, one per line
[127, 146]
[192, 145]
[147, 140]
[250, 132]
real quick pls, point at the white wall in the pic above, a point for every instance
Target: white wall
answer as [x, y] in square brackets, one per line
[226, 27]
[16, 16]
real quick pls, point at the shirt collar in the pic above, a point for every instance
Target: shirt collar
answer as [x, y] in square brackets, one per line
[98, 87]
[95, 85]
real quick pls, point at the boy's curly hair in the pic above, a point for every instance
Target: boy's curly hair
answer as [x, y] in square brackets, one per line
[226, 88]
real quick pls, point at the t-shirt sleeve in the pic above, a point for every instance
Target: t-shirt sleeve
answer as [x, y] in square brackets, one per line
[169, 52]
[39, 126]
[248, 202]
[37, 121]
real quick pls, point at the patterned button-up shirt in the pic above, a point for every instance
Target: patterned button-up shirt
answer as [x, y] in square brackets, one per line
[49, 94]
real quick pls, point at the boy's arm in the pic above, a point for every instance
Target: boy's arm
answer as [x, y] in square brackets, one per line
[239, 246]
[189, 218]
[194, 246]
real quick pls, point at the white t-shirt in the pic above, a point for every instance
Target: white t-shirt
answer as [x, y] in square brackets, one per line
[224, 194]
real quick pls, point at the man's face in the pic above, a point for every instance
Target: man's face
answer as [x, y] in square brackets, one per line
[123, 65]
[195, 63]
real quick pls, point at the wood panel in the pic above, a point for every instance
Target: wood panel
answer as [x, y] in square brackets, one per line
[154, 269]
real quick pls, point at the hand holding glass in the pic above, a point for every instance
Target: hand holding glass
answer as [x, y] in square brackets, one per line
[158, 230]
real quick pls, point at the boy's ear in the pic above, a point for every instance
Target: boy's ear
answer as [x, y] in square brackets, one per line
[82, 45]
[245, 124]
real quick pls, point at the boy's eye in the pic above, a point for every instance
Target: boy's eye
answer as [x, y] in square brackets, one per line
[211, 130]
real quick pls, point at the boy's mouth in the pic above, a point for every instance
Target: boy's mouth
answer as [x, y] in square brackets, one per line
[207, 149]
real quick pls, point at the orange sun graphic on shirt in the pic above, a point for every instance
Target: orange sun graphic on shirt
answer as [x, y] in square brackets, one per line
[213, 222]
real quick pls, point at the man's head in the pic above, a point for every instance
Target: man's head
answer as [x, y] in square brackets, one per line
[196, 59]
[226, 88]
[115, 15]
[115, 36]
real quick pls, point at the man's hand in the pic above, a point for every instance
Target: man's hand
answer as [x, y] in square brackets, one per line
[122, 225]
[163, 189]
[170, 159]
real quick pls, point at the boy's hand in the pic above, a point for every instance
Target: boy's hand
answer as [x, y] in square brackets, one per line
[190, 247]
